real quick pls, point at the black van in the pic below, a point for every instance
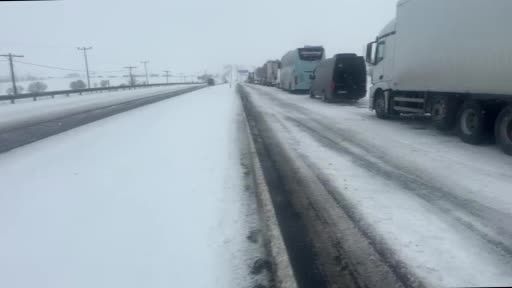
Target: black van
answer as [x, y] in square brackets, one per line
[342, 77]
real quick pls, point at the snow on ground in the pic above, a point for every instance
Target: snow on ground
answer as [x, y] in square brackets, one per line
[36, 111]
[63, 83]
[152, 197]
[443, 206]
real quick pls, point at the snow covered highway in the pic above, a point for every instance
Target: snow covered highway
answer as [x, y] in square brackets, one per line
[29, 121]
[134, 200]
[393, 202]
[244, 186]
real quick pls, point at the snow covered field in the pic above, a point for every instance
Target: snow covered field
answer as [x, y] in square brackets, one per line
[63, 83]
[27, 112]
[152, 197]
[443, 207]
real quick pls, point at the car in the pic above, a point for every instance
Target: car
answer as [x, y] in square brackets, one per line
[342, 77]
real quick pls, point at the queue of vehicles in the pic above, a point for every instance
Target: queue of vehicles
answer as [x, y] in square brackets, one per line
[435, 58]
[306, 70]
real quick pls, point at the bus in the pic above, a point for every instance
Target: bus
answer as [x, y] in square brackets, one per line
[296, 67]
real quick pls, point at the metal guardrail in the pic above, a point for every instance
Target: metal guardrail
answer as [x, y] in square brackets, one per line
[52, 94]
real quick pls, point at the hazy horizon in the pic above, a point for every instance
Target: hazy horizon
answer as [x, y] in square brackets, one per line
[182, 36]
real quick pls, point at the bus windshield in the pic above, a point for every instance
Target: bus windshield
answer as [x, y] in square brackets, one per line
[311, 54]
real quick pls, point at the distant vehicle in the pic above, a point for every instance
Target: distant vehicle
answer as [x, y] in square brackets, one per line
[259, 75]
[250, 78]
[427, 61]
[211, 82]
[271, 69]
[340, 77]
[297, 65]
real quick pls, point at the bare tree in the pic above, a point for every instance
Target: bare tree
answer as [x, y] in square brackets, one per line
[37, 87]
[105, 83]
[78, 84]
[10, 91]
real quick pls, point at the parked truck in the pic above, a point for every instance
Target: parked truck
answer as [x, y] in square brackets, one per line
[250, 78]
[271, 72]
[259, 75]
[448, 59]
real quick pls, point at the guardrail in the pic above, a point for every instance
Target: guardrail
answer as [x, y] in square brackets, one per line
[52, 94]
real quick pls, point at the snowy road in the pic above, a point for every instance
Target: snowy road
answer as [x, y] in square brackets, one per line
[431, 209]
[153, 197]
[28, 122]
[28, 112]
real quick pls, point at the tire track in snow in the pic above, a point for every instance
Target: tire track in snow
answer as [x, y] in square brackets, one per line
[344, 255]
[371, 158]
[374, 160]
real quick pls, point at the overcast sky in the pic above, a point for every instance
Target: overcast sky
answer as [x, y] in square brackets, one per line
[185, 36]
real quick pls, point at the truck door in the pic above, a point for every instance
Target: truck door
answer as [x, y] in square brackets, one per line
[382, 69]
[379, 69]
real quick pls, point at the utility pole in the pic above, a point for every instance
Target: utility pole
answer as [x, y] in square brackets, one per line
[130, 68]
[231, 76]
[167, 76]
[84, 49]
[13, 78]
[146, 70]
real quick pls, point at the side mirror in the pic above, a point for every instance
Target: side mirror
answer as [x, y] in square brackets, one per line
[370, 53]
[312, 76]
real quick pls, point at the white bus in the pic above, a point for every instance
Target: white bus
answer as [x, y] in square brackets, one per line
[297, 65]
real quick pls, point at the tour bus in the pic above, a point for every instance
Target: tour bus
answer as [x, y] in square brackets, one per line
[296, 67]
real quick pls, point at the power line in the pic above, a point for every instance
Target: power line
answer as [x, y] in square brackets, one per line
[62, 68]
[49, 67]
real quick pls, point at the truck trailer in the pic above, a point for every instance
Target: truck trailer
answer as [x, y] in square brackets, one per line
[451, 60]
[259, 75]
[271, 72]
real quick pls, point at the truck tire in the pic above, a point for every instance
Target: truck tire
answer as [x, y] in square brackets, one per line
[380, 105]
[311, 94]
[325, 98]
[444, 112]
[471, 123]
[503, 130]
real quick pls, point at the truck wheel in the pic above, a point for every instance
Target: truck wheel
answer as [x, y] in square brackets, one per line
[380, 106]
[444, 113]
[311, 94]
[325, 98]
[471, 123]
[503, 130]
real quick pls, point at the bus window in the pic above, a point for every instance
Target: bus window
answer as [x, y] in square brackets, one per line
[311, 54]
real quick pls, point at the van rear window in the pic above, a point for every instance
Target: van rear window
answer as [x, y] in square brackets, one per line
[350, 69]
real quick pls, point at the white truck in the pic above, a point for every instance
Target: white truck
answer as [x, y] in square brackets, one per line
[271, 72]
[448, 59]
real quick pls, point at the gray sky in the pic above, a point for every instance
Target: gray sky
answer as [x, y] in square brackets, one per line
[184, 36]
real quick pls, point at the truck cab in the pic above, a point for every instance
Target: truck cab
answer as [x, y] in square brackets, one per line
[440, 61]
[379, 56]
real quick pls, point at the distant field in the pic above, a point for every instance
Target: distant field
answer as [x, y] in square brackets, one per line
[63, 83]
